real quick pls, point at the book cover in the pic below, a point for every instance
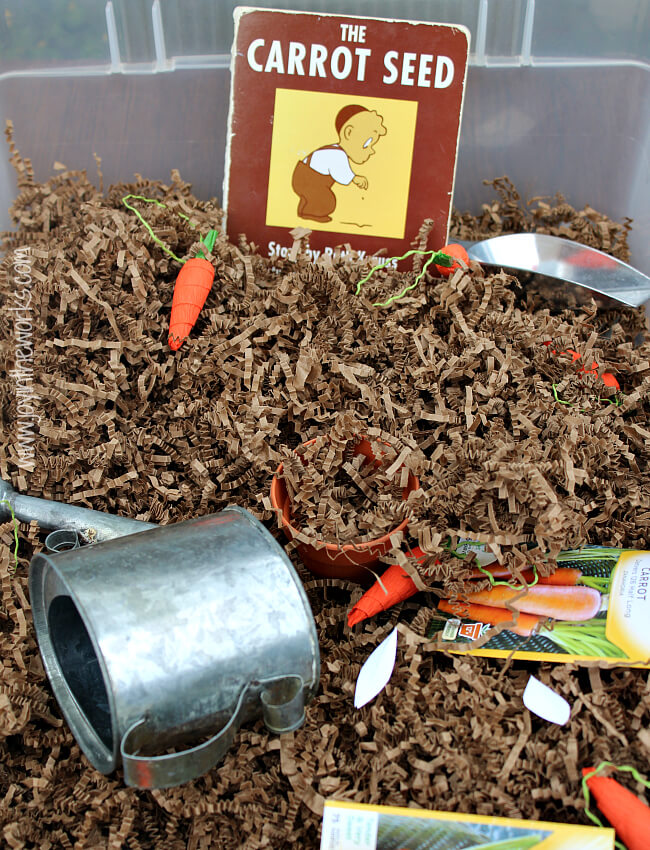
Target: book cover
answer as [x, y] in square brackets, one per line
[342, 125]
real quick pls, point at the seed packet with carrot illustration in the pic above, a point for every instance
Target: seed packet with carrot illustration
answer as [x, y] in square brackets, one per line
[355, 826]
[595, 607]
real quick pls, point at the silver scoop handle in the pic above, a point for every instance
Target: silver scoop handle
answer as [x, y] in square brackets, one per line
[92, 526]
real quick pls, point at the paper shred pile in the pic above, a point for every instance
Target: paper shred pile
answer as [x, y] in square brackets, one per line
[508, 214]
[341, 497]
[457, 373]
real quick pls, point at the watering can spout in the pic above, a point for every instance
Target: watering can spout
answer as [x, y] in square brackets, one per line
[92, 526]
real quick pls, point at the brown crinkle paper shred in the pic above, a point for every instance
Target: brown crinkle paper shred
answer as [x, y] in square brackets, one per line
[455, 376]
[342, 498]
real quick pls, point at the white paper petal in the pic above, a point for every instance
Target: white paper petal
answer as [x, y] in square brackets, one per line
[376, 672]
[546, 703]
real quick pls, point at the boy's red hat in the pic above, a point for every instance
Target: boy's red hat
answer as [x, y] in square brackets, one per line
[346, 113]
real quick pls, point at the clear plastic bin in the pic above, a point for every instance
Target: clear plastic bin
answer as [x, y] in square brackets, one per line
[558, 94]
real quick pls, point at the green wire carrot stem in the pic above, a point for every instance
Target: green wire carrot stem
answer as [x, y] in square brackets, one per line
[208, 241]
[146, 224]
[437, 257]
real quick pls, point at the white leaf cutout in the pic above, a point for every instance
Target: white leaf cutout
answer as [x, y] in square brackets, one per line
[546, 703]
[376, 672]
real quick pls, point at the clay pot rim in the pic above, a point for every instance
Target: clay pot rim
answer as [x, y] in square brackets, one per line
[334, 547]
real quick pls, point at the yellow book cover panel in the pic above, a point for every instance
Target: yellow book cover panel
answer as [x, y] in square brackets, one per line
[353, 826]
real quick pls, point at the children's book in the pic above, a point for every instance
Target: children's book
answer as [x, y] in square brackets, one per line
[345, 126]
[353, 826]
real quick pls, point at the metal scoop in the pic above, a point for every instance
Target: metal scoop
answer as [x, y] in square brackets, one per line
[584, 272]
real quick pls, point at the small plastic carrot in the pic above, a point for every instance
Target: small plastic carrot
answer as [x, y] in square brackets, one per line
[560, 603]
[192, 287]
[398, 587]
[456, 251]
[524, 626]
[629, 816]
[194, 281]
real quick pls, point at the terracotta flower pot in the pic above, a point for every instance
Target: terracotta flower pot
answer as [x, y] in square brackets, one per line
[334, 561]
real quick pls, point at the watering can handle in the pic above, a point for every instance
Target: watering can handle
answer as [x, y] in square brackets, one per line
[283, 709]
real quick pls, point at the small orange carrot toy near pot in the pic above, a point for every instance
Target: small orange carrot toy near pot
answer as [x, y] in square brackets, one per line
[396, 586]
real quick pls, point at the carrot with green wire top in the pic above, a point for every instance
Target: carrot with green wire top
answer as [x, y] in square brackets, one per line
[192, 287]
[194, 281]
[456, 252]
[629, 815]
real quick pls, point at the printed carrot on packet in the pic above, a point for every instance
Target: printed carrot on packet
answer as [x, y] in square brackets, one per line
[525, 625]
[560, 603]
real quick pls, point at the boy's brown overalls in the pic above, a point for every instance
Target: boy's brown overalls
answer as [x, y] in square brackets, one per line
[317, 200]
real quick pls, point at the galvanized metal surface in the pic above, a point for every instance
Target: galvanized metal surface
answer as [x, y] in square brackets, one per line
[62, 540]
[183, 631]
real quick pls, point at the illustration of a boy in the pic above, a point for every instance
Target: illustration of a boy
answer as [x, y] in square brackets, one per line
[358, 130]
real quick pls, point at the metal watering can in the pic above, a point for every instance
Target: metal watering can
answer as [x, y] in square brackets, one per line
[160, 635]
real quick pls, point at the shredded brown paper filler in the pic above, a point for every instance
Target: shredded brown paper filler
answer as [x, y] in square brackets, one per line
[455, 378]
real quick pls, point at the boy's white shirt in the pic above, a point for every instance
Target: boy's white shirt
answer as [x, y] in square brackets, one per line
[333, 161]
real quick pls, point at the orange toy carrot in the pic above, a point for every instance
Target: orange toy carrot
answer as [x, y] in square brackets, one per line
[626, 813]
[192, 287]
[458, 253]
[560, 603]
[193, 283]
[399, 586]
[525, 625]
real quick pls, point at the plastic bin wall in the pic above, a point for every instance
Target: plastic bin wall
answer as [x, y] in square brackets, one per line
[558, 94]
